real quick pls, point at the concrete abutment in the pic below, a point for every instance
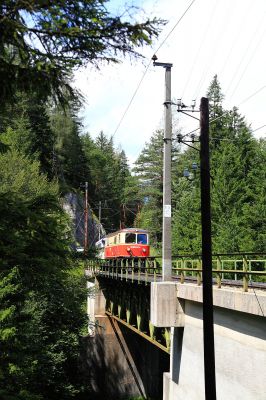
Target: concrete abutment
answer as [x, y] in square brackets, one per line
[240, 346]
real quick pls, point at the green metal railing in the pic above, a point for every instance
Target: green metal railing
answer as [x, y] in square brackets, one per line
[234, 268]
[226, 268]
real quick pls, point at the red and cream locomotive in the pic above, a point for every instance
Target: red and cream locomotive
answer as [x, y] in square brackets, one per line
[125, 243]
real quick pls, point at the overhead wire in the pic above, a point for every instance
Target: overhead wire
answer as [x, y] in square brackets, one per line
[178, 21]
[242, 24]
[147, 67]
[131, 100]
[228, 112]
[258, 26]
[254, 130]
[246, 52]
[213, 51]
[248, 63]
[252, 95]
[212, 120]
[199, 49]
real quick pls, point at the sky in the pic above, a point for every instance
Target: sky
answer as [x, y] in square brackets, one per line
[223, 37]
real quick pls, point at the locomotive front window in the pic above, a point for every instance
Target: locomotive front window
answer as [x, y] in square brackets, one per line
[130, 238]
[142, 238]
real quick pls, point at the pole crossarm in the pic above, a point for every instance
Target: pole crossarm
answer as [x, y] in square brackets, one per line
[189, 115]
[164, 65]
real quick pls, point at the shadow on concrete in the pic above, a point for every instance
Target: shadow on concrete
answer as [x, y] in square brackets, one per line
[151, 362]
[118, 364]
[247, 324]
[177, 345]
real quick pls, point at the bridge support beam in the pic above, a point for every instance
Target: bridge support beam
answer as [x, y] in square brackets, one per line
[119, 361]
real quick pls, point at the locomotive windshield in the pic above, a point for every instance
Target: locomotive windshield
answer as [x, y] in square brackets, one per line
[140, 238]
[130, 238]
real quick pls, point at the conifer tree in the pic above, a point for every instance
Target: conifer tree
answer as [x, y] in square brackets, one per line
[41, 314]
[25, 125]
[42, 42]
[109, 171]
[238, 191]
[149, 170]
[69, 161]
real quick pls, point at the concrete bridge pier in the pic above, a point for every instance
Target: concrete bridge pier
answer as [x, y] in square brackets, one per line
[240, 341]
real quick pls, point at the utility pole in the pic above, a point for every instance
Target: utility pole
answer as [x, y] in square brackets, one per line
[208, 331]
[86, 220]
[122, 216]
[100, 217]
[167, 240]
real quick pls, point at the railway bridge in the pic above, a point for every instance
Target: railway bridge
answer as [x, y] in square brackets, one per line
[146, 335]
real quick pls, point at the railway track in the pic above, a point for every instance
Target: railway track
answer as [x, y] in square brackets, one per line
[150, 277]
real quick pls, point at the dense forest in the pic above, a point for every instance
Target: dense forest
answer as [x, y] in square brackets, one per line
[45, 153]
[43, 156]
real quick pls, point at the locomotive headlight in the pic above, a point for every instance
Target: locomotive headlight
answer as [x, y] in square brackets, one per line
[144, 250]
[128, 248]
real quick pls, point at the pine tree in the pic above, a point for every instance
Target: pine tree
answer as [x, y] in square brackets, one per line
[149, 170]
[69, 161]
[234, 160]
[186, 220]
[25, 125]
[109, 171]
[41, 314]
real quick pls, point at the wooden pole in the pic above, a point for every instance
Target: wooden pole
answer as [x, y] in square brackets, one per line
[208, 331]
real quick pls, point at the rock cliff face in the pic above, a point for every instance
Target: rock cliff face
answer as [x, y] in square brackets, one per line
[73, 204]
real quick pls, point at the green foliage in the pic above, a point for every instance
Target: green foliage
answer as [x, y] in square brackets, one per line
[41, 42]
[42, 296]
[238, 186]
[110, 174]
[238, 191]
[21, 175]
[149, 171]
[186, 232]
[25, 126]
[70, 164]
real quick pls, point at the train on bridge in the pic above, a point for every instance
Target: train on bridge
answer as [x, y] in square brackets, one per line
[126, 243]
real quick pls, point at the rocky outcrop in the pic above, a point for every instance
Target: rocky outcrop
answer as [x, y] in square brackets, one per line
[73, 204]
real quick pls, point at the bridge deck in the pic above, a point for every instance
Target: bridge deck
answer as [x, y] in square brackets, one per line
[246, 270]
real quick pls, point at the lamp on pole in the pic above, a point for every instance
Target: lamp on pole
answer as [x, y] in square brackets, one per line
[166, 245]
